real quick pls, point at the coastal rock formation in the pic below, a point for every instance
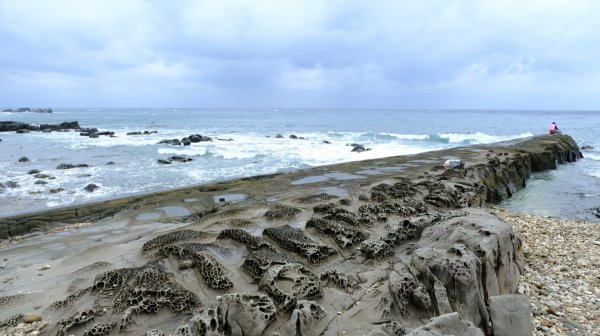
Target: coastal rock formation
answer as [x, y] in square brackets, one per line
[27, 109]
[14, 126]
[382, 256]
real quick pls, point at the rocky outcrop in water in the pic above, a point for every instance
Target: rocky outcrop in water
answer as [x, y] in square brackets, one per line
[27, 109]
[14, 126]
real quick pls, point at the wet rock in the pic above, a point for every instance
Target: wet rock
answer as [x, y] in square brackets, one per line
[23, 159]
[180, 159]
[164, 161]
[110, 163]
[91, 187]
[358, 148]
[40, 182]
[11, 184]
[56, 190]
[33, 171]
[42, 176]
[586, 147]
[71, 166]
[279, 136]
[174, 142]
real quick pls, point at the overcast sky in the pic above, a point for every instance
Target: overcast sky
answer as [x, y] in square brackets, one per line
[502, 54]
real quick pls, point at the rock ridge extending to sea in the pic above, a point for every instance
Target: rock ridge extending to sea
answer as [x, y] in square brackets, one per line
[393, 246]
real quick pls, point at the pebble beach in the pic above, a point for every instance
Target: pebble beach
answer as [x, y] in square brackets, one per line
[562, 273]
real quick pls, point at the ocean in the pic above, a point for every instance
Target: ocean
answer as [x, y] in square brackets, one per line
[245, 143]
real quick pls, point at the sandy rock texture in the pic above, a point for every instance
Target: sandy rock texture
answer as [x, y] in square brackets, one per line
[392, 246]
[562, 273]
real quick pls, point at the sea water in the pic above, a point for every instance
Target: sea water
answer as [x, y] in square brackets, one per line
[245, 144]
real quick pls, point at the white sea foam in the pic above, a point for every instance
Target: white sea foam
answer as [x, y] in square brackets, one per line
[592, 156]
[480, 138]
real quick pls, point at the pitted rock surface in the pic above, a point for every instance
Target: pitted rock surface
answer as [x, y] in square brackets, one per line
[281, 212]
[390, 251]
[211, 270]
[333, 212]
[307, 319]
[244, 314]
[345, 281]
[345, 235]
[172, 237]
[258, 262]
[295, 240]
[252, 243]
[286, 284]
[315, 198]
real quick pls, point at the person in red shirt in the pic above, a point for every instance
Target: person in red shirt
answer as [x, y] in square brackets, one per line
[554, 129]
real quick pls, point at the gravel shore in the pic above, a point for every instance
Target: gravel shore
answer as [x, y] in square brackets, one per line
[562, 273]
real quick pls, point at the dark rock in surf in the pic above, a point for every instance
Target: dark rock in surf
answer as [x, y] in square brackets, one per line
[22, 131]
[175, 142]
[27, 109]
[180, 159]
[71, 166]
[358, 148]
[41, 176]
[164, 161]
[110, 163]
[23, 159]
[34, 171]
[91, 187]
[11, 184]
[56, 190]
[279, 136]
[586, 147]
[40, 182]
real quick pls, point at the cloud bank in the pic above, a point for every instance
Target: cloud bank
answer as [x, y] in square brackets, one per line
[539, 54]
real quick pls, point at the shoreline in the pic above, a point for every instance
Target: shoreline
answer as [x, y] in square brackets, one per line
[562, 276]
[408, 247]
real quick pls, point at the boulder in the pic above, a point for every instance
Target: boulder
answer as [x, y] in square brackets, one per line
[23, 159]
[175, 142]
[180, 159]
[448, 324]
[56, 190]
[293, 136]
[511, 315]
[33, 171]
[586, 147]
[279, 136]
[91, 187]
[358, 148]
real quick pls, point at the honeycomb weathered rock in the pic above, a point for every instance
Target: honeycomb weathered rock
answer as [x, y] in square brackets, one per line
[258, 262]
[295, 240]
[172, 237]
[281, 211]
[345, 235]
[315, 198]
[211, 270]
[252, 243]
[286, 284]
